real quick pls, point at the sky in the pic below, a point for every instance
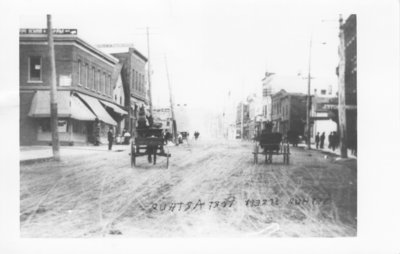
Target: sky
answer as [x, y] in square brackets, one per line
[212, 48]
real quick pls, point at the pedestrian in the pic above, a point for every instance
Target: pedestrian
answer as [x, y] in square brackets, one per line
[331, 141]
[317, 140]
[127, 137]
[335, 140]
[110, 138]
[322, 140]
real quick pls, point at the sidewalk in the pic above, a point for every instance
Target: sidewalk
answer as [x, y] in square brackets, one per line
[41, 153]
[327, 150]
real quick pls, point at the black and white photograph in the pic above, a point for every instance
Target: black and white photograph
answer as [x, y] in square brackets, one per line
[201, 119]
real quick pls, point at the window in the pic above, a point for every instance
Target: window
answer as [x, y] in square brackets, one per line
[133, 79]
[142, 83]
[44, 125]
[323, 92]
[136, 80]
[80, 73]
[109, 85]
[97, 81]
[35, 68]
[103, 81]
[92, 78]
[86, 75]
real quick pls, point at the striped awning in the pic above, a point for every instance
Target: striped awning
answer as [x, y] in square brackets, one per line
[97, 109]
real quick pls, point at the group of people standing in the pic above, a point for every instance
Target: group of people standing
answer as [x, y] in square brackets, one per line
[333, 140]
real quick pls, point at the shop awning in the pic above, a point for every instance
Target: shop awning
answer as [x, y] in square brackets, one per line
[79, 111]
[40, 106]
[67, 106]
[116, 109]
[98, 110]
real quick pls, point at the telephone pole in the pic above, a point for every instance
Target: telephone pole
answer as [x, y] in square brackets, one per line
[308, 132]
[149, 71]
[53, 93]
[342, 94]
[171, 101]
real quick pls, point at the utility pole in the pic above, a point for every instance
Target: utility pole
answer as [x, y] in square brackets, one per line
[308, 98]
[53, 93]
[171, 101]
[149, 72]
[342, 92]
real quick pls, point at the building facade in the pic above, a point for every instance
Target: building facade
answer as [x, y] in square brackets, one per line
[163, 116]
[350, 79]
[288, 112]
[84, 90]
[135, 85]
[267, 97]
[242, 121]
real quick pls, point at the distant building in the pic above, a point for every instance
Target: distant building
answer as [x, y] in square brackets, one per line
[86, 108]
[322, 119]
[135, 84]
[289, 112]
[119, 95]
[163, 116]
[266, 96]
[182, 117]
[255, 119]
[242, 121]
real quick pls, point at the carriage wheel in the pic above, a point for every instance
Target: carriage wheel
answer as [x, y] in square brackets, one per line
[256, 154]
[155, 155]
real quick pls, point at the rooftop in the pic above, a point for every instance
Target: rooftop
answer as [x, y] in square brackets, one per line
[67, 38]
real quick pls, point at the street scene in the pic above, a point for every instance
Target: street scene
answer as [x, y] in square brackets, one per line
[188, 127]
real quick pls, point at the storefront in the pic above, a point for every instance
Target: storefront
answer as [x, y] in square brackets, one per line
[80, 118]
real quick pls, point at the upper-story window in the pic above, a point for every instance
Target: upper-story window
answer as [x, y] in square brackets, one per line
[103, 83]
[109, 85]
[87, 76]
[92, 78]
[97, 81]
[133, 79]
[80, 72]
[142, 83]
[35, 68]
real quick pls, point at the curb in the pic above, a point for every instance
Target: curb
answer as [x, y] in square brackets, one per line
[36, 160]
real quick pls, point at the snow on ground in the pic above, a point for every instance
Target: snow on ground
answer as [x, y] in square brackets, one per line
[101, 195]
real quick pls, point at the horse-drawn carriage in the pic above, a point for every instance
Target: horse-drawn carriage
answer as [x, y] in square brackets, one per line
[149, 140]
[271, 144]
[150, 143]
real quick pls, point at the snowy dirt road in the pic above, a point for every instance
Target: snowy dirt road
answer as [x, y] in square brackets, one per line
[210, 189]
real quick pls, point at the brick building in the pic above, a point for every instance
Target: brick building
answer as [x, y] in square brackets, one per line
[84, 89]
[288, 112]
[134, 81]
